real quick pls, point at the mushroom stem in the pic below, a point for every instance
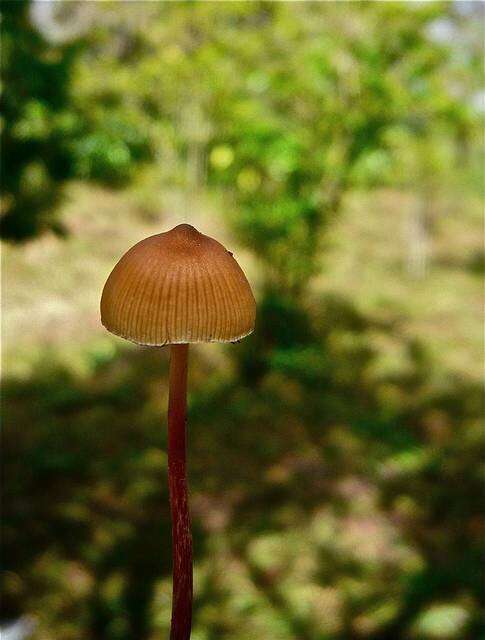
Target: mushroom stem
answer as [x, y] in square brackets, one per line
[177, 481]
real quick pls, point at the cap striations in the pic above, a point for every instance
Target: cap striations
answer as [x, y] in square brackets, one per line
[177, 287]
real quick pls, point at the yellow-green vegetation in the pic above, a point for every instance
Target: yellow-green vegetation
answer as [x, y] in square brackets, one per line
[334, 458]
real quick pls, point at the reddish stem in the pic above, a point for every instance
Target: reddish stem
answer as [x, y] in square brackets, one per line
[177, 481]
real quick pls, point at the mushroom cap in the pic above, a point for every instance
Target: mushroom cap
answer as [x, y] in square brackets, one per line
[177, 287]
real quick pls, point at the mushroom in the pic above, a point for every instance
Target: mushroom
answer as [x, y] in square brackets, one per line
[177, 288]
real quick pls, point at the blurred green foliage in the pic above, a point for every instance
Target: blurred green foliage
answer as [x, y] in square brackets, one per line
[333, 497]
[287, 105]
[51, 132]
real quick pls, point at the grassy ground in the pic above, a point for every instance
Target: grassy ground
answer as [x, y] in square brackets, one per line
[53, 285]
[368, 262]
[335, 491]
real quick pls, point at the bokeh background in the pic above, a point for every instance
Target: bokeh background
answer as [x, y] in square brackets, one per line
[335, 467]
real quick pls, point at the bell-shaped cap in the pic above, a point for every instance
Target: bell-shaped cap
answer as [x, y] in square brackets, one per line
[177, 287]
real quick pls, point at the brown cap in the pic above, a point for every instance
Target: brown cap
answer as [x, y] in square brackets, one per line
[176, 287]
